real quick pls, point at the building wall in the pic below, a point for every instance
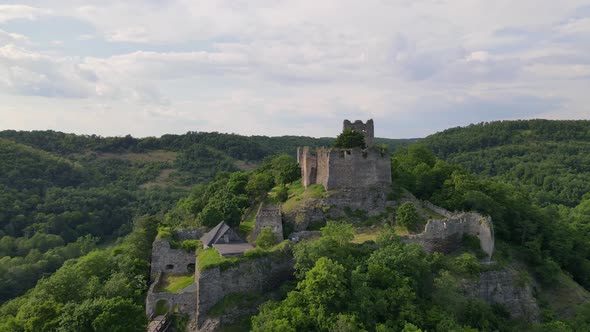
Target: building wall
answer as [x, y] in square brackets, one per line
[345, 168]
[269, 216]
[169, 260]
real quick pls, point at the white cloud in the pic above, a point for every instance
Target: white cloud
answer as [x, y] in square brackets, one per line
[248, 66]
[13, 12]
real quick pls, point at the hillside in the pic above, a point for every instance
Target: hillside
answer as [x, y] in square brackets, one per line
[551, 159]
[63, 194]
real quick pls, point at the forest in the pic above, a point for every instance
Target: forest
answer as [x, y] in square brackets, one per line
[78, 215]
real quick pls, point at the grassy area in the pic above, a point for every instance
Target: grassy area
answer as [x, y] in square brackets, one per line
[370, 234]
[175, 283]
[156, 155]
[210, 258]
[430, 214]
[298, 194]
[161, 179]
[247, 225]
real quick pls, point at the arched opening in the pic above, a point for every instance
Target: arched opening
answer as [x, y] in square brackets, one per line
[176, 309]
[191, 268]
[169, 267]
[162, 307]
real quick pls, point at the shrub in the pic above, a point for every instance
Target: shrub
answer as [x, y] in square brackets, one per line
[266, 239]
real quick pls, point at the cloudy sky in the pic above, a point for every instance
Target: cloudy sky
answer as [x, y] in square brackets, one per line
[276, 67]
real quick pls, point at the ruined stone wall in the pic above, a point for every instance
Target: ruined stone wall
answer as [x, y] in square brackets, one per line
[165, 259]
[186, 302]
[252, 276]
[269, 216]
[356, 168]
[367, 129]
[308, 164]
[323, 166]
[188, 234]
[446, 235]
[503, 287]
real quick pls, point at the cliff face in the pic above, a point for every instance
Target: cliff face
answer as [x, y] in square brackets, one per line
[254, 276]
[503, 287]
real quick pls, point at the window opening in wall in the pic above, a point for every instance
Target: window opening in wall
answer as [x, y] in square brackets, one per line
[162, 307]
[169, 267]
[190, 268]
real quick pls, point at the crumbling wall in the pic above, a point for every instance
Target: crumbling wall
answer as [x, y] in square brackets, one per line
[504, 287]
[269, 216]
[252, 276]
[188, 234]
[446, 235]
[165, 259]
[185, 303]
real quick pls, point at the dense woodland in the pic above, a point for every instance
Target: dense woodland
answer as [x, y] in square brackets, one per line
[78, 215]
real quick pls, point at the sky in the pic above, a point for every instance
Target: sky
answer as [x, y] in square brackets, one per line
[276, 67]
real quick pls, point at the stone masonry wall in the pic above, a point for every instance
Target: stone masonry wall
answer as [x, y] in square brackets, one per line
[169, 260]
[185, 302]
[269, 216]
[446, 235]
[251, 276]
[367, 129]
[356, 168]
[345, 168]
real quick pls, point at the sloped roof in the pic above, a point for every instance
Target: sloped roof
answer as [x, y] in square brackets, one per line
[214, 234]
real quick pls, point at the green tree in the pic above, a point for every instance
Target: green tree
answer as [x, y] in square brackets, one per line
[349, 139]
[407, 216]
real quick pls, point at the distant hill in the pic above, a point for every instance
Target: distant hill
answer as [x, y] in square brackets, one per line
[551, 159]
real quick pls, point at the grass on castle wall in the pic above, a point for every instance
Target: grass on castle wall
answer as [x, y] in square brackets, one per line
[210, 258]
[176, 283]
[247, 226]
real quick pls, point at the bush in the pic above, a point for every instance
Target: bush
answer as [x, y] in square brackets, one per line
[266, 239]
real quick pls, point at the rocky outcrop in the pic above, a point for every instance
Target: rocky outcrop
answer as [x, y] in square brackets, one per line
[505, 287]
[305, 214]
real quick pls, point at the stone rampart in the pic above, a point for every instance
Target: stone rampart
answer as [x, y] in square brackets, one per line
[446, 235]
[269, 216]
[165, 259]
[252, 276]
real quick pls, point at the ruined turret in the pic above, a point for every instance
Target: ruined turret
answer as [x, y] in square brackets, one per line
[347, 168]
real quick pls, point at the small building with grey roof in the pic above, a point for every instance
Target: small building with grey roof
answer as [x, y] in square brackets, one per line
[225, 240]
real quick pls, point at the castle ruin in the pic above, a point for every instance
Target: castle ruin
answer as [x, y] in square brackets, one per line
[347, 168]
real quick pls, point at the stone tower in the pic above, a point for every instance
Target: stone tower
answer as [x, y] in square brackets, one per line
[347, 168]
[367, 129]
